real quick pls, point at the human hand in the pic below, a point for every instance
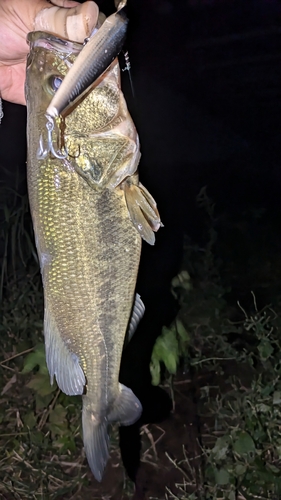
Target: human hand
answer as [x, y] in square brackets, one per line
[17, 17]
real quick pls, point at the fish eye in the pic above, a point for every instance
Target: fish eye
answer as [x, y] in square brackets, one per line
[53, 83]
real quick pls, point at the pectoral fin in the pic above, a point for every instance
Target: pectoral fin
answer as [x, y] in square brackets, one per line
[61, 362]
[142, 210]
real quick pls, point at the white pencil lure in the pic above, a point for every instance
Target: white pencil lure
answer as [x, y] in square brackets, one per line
[95, 57]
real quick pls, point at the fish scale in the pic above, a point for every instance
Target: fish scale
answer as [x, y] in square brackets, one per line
[88, 238]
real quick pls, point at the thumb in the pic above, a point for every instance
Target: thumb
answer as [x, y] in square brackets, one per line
[73, 23]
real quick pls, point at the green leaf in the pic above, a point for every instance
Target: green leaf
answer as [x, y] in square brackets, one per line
[37, 438]
[170, 361]
[265, 391]
[40, 383]
[58, 415]
[182, 280]
[277, 397]
[221, 448]
[262, 408]
[30, 420]
[65, 443]
[265, 349]
[244, 444]
[240, 469]
[181, 330]
[278, 449]
[231, 495]
[155, 372]
[166, 350]
[273, 468]
[42, 401]
[221, 476]
[34, 359]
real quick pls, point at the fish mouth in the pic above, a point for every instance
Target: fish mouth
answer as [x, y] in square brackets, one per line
[50, 41]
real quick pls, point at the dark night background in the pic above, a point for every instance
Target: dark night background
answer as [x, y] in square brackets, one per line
[207, 105]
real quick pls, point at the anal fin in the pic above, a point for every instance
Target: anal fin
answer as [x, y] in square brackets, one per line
[61, 362]
[127, 408]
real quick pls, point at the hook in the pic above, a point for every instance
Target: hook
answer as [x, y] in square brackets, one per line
[43, 153]
[128, 68]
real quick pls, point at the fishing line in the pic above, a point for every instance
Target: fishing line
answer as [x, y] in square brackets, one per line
[128, 68]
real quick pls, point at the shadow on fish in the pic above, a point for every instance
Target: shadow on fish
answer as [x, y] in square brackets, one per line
[90, 214]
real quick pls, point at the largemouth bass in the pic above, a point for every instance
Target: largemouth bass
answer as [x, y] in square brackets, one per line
[89, 214]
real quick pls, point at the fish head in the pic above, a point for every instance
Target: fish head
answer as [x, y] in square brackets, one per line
[87, 128]
[48, 62]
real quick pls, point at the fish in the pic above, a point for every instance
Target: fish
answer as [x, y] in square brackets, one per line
[90, 214]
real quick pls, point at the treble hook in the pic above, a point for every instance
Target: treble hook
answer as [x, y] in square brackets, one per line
[42, 152]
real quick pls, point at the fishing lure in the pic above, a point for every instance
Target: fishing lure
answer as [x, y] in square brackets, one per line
[98, 53]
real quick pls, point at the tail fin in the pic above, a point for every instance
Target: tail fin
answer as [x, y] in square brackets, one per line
[126, 410]
[95, 438]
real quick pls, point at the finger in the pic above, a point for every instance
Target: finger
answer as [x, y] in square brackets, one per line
[75, 23]
[12, 83]
[65, 3]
